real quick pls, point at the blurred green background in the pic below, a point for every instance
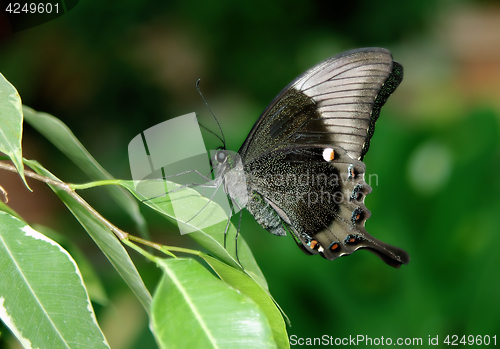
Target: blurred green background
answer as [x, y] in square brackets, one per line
[110, 70]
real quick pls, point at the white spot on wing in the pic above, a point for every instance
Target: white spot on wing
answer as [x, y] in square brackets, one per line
[328, 154]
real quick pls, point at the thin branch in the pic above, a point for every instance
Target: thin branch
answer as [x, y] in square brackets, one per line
[67, 188]
[29, 173]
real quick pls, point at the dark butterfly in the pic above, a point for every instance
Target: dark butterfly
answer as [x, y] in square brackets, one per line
[302, 161]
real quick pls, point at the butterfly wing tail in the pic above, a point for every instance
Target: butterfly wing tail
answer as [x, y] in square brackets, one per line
[392, 255]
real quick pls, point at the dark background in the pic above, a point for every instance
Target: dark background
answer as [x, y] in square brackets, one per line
[110, 71]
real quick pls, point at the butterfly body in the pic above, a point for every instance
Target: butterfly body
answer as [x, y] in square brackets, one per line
[301, 168]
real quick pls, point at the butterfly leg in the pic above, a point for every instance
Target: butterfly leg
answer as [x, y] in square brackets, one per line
[228, 222]
[212, 185]
[236, 240]
[216, 186]
[182, 187]
[208, 180]
[237, 231]
[190, 171]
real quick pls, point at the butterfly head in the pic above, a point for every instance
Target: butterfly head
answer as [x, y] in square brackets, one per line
[224, 161]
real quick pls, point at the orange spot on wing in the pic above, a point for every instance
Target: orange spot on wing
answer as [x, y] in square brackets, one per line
[313, 244]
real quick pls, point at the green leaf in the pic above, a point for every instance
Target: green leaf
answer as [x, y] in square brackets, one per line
[103, 237]
[189, 204]
[61, 136]
[93, 284]
[246, 285]
[193, 309]
[11, 125]
[42, 297]
[4, 207]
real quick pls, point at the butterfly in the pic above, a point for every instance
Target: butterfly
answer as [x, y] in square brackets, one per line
[300, 169]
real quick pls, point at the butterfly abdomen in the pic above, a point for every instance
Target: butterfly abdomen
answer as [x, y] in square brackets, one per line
[265, 215]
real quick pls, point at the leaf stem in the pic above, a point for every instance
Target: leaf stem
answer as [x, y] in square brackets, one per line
[150, 244]
[95, 184]
[163, 248]
[146, 254]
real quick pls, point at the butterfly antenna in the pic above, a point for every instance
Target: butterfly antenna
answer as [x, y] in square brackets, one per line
[211, 112]
[212, 132]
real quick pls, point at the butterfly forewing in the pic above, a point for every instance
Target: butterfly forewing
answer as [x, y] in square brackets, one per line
[333, 103]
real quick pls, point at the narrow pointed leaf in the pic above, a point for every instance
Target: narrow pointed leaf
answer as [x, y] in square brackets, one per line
[61, 136]
[5, 208]
[246, 285]
[95, 289]
[11, 125]
[193, 309]
[103, 237]
[42, 297]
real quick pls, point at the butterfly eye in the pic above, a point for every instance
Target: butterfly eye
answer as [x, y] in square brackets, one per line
[221, 156]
